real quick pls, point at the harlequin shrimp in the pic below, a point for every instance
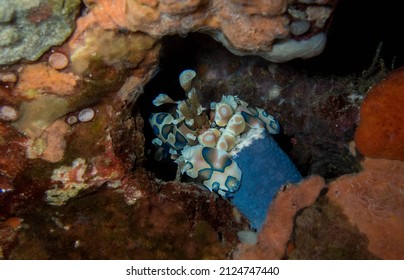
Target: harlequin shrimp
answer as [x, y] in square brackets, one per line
[200, 140]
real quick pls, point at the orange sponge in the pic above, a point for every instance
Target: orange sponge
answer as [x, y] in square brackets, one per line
[381, 129]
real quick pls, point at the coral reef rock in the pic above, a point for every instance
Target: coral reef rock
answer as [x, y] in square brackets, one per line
[245, 27]
[162, 221]
[66, 124]
[373, 200]
[73, 143]
[323, 231]
[8, 235]
[380, 133]
[30, 28]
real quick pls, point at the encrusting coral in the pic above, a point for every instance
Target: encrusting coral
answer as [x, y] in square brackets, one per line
[202, 141]
[244, 27]
[373, 201]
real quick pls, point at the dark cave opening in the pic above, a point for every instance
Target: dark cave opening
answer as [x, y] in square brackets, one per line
[177, 54]
[356, 30]
[351, 47]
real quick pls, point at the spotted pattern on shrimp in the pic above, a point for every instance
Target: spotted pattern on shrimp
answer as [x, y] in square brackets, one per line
[204, 153]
